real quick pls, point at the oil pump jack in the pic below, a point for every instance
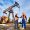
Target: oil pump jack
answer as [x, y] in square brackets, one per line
[10, 10]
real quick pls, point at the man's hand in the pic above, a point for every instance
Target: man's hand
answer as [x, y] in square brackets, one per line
[21, 17]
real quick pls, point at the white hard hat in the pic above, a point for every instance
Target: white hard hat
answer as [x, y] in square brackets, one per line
[24, 13]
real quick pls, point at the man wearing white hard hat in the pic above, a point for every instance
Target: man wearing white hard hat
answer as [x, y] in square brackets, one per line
[23, 20]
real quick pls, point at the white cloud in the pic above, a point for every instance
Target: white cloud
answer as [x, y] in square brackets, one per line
[1, 8]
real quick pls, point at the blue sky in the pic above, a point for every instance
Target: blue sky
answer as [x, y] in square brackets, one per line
[24, 6]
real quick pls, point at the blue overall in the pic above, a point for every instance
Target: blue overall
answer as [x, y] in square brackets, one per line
[23, 23]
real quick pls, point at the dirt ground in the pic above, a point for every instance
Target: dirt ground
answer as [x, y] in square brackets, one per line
[27, 28]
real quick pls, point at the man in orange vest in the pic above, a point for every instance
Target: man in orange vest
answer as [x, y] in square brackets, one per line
[16, 21]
